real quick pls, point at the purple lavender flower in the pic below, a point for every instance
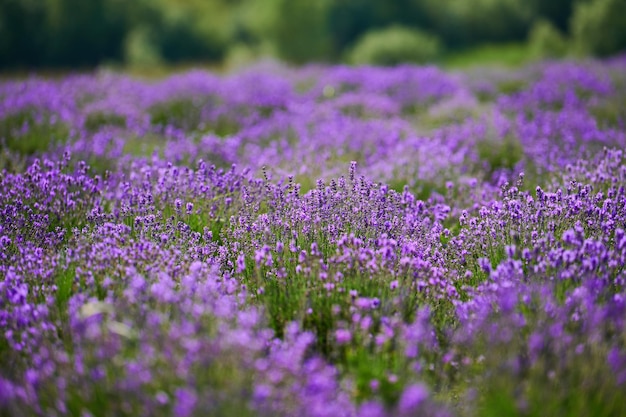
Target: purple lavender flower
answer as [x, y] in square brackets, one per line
[412, 397]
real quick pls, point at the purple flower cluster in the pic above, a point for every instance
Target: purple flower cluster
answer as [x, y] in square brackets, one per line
[315, 242]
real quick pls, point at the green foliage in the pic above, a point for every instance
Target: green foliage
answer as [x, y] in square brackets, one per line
[464, 23]
[395, 45]
[84, 33]
[512, 86]
[96, 121]
[176, 32]
[500, 154]
[557, 12]
[599, 27]
[545, 41]
[66, 287]
[140, 49]
[489, 54]
[23, 32]
[190, 114]
[180, 42]
[300, 30]
[65, 33]
[349, 20]
[27, 133]
[183, 113]
[144, 33]
[240, 54]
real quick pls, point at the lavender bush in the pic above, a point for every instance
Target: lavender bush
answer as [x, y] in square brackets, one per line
[327, 241]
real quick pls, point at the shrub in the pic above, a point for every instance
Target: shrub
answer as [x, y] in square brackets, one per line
[140, 48]
[300, 31]
[599, 27]
[546, 41]
[395, 45]
[463, 24]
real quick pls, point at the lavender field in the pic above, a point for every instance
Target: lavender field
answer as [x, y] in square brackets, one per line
[323, 241]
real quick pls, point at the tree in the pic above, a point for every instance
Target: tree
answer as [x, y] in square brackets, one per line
[599, 27]
[300, 30]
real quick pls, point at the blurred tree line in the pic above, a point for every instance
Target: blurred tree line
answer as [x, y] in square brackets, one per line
[85, 33]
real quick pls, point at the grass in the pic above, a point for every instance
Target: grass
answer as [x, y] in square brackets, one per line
[508, 55]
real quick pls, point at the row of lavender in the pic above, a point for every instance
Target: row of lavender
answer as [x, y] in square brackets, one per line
[315, 242]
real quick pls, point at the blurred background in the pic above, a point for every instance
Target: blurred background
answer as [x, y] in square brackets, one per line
[83, 34]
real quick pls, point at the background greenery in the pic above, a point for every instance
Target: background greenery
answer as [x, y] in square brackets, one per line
[78, 33]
